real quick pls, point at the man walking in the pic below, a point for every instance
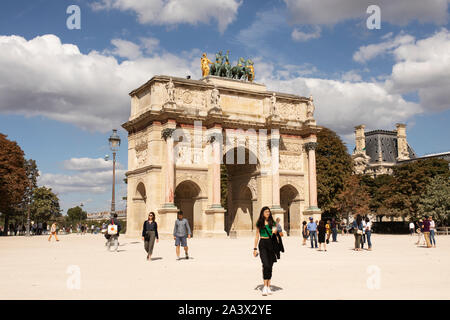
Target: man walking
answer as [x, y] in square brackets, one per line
[181, 231]
[312, 228]
[334, 229]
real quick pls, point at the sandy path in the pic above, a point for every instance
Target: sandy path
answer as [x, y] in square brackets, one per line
[33, 268]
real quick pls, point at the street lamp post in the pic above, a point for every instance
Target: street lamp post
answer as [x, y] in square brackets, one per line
[114, 143]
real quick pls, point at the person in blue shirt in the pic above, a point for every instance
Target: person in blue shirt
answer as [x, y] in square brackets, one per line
[312, 229]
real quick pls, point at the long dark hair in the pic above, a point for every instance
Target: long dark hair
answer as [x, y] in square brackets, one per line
[260, 223]
[153, 214]
[358, 219]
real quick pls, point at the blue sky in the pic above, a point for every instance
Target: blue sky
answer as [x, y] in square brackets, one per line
[62, 91]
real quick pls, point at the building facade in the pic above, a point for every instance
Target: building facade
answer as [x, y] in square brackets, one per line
[184, 134]
[377, 152]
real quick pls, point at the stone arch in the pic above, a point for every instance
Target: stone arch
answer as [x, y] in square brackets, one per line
[242, 190]
[187, 193]
[139, 207]
[290, 202]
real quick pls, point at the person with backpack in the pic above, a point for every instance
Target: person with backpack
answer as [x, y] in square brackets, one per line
[110, 234]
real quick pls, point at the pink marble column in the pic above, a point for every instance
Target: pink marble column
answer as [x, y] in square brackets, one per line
[170, 173]
[275, 159]
[310, 148]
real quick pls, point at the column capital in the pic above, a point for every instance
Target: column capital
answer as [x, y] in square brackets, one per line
[310, 146]
[214, 136]
[167, 133]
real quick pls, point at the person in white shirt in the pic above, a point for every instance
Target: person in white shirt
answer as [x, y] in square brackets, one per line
[411, 228]
[432, 232]
[368, 232]
[363, 236]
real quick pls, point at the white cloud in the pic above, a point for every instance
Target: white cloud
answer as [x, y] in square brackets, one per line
[90, 176]
[340, 105]
[44, 77]
[371, 51]
[352, 76]
[398, 12]
[172, 12]
[298, 35]
[126, 49]
[424, 67]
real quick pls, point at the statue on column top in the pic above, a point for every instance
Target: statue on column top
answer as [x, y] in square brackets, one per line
[310, 108]
[171, 90]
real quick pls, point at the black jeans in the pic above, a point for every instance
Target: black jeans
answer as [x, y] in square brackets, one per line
[267, 257]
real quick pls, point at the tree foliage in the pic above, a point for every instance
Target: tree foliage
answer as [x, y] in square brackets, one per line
[436, 200]
[353, 198]
[13, 178]
[333, 166]
[76, 215]
[44, 205]
[409, 184]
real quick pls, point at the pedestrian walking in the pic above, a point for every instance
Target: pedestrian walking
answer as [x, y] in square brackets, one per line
[426, 231]
[264, 246]
[334, 229]
[368, 233]
[279, 228]
[53, 232]
[305, 233]
[328, 231]
[432, 232]
[322, 229]
[181, 232]
[149, 234]
[420, 236]
[411, 228]
[358, 231]
[312, 230]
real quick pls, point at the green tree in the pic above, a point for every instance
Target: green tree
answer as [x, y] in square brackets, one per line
[76, 215]
[353, 198]
[379, 189]
[333, 166]
[44, 205]
[13, 178]
[410, 182]
[436, 200]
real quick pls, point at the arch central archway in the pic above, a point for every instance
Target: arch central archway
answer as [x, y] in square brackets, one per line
[289, 201]
[186, 196]
[240, 172]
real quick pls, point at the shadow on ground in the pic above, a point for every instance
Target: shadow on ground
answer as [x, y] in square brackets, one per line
[273, 288]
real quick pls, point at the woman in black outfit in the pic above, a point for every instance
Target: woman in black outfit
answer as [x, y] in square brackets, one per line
[149, 234]
[322, 233]
[265, 228]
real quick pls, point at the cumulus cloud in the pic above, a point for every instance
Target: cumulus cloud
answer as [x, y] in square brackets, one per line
[172, 12]
[424, 67]
[398, 12]
[43, 76]
[298, 35]
[366, 53]
[88, 176]
[340, 105]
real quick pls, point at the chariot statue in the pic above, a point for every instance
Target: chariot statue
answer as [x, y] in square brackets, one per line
[243, 70]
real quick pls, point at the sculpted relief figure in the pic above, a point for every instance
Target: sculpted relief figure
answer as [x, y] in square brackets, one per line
[215, 98]
[310, 108]
[170, 87]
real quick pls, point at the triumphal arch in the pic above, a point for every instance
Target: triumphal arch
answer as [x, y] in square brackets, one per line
[219, 149]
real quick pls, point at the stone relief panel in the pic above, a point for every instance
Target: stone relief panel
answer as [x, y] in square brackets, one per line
[191, 98]
[141, 149]
[290, 111]
[290, 162]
